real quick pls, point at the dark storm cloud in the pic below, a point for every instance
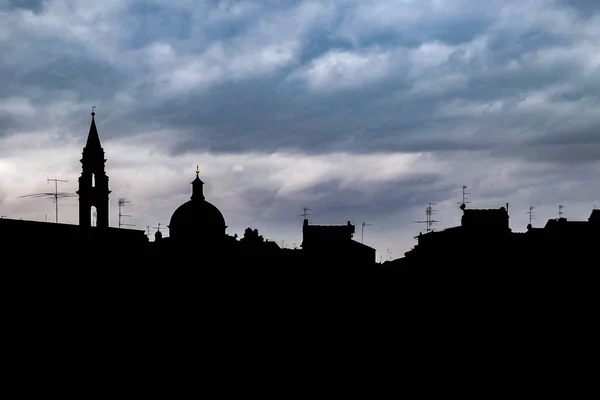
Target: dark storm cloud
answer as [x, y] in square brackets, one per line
[482, 85]
[35, 6]
[83, 80]
[268, 114]
[90, 77]
[587, 8]
[268, 111]
[334, 200]
[258, 116]
[152, 21]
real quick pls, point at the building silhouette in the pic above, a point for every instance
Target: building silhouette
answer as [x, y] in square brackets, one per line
[93, 182]
[485, 241]
[197, 237]
[197, 234]
[197, 219]
[335, 244]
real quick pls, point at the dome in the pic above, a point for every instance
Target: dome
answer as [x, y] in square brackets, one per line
[197, 218]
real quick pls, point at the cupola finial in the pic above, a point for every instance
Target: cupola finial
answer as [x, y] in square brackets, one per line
[197, 192]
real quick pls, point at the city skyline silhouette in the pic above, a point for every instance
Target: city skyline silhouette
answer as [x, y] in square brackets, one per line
[198, 224]
[365, 113]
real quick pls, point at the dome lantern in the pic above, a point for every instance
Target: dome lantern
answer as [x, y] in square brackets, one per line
[197, 219]
[197, 188]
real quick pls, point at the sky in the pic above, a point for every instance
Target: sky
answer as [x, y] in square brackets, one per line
[362, 111]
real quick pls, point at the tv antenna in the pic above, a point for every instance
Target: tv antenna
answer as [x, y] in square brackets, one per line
[465, 195]
[531, 213]
[122, 203]
[560, 211]
[53, 195]
[305, 213]
[429, 221]
[362, 232]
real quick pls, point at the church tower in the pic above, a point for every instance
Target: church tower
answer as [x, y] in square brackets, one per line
[93, 182]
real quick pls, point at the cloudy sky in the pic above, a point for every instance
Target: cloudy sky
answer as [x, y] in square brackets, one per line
[362, 110]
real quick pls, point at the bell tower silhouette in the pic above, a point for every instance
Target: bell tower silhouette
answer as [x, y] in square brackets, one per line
[93, 182]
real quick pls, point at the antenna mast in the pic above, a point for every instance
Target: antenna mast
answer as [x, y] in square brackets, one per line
[122, 203]
[465, 194]
[531, 214]
[362, 233]
[54, 195]
[429, 221]
[305, 212]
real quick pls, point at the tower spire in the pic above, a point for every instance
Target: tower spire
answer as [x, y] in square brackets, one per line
[93, 140]
[93, 182]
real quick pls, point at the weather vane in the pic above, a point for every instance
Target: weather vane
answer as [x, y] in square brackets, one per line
[197, 169]
[93, 109]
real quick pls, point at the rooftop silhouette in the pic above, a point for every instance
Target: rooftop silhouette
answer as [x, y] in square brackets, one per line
[197, 230]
